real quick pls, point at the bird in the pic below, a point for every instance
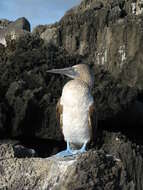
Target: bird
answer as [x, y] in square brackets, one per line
[75, 109]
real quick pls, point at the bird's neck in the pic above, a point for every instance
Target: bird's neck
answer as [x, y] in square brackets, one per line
[88, 84]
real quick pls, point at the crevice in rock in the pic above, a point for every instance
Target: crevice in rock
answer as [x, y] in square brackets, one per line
[33, 119]
[43, 147]
[123, 13]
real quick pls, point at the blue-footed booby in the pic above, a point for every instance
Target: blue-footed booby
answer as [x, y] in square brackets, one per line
[75, 109]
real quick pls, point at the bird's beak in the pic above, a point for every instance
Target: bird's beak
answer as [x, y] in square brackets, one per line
[69, 71]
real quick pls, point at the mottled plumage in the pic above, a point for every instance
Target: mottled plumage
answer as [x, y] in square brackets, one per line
[76, 101]
[75, 109]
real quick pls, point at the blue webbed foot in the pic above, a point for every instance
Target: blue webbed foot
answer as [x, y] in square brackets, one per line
[69, 152]
[64, 153]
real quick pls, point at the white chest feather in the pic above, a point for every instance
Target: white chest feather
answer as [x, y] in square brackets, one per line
[76, 100]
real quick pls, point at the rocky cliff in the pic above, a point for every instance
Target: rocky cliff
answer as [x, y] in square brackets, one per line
[108, 36]
[107, 33]
[13, 30]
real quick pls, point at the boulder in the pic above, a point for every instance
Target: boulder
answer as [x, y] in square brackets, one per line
[4, 23]
[20, 23]
[117, 164]
[88, 171]
[13, 30]
[49, 33]
[11, 149]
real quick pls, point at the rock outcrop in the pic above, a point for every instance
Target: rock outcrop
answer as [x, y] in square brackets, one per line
[107, 33]
[53, 173]
[92, 170]
[13, 149]
[116, 165]
[13, 30]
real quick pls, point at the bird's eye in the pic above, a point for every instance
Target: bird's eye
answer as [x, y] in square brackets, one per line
[75, 69]
[76, 72]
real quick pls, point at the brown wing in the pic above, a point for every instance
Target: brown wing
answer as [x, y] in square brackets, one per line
[92, 122]
[59, 113]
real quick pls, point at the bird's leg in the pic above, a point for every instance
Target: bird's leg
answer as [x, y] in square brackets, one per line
[67, 152]
[82, 150]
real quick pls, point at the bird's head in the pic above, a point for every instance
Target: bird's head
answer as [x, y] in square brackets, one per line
[80, 72]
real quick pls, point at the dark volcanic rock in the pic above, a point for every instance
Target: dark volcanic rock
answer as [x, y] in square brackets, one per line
[4, 23]
[110, 95]
[130, 154]
[13, 30]
[20, 23]
[14, 150]
[106, 33]
[27, 91]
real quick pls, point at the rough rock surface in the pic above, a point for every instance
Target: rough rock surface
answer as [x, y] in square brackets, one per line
[131, 155]
[92, 170]
[4, 23]
[117, 164]
[13, 30]
[107, 33]
[11, 149]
